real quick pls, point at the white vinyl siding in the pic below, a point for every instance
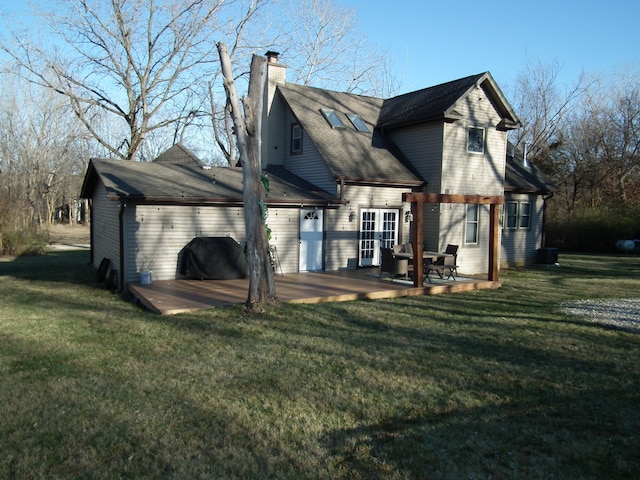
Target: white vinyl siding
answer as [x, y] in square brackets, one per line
[155, 235]
[469, 172]
[341, 248]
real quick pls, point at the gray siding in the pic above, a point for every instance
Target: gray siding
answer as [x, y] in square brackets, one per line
[519, 246]
[308, 164]
[422, 145]
[105, 228]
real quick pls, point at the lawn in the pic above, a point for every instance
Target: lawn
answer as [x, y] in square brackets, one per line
[491, 384]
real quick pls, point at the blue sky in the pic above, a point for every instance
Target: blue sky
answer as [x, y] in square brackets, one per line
[431, 42]
[434, 41]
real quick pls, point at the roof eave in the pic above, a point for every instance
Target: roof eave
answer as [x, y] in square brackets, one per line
[226, 202]
[379, 181]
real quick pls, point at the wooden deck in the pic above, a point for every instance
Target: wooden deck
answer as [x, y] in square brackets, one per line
[177, 296]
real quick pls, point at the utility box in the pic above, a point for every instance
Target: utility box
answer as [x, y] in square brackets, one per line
[547, 256]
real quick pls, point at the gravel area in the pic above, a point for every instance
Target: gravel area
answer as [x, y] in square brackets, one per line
[621, 313]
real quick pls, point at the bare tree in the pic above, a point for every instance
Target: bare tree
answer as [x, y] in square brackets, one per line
[323, 47]
[542, 108]
[247, 123]
[42, 153]
[132, 59]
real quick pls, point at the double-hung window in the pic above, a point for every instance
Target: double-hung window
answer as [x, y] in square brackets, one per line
[296, 138]
[472, 221]
[517, 215]
[511, 215]
[524, 219]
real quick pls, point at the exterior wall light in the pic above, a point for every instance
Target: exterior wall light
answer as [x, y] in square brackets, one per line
[408, 216]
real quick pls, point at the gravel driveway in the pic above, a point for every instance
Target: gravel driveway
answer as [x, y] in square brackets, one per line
[622, 313]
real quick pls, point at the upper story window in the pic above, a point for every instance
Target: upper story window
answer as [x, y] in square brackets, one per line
[475, 140]
[332, 117]
[357, 122]
[296, 138]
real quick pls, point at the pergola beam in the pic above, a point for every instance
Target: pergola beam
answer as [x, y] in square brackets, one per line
[417, 201]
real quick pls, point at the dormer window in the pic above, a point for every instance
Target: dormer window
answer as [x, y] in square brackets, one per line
[357, 122]
[475, 140]
[332, 117]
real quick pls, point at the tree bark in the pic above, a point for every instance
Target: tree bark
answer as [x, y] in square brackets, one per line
[262, 289]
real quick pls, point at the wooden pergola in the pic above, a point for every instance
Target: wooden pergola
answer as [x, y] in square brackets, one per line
[418, 200]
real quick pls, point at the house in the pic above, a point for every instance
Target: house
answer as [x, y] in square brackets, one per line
[338, 165]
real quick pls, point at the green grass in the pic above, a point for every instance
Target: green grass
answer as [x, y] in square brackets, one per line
[493, 384]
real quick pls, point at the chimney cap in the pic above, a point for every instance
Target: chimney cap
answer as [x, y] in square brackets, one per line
[272, 56]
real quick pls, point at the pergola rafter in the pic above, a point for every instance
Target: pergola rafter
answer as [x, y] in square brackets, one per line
[418, 200]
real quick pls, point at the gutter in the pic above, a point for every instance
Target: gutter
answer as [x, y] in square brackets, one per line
[377, 181]
[224, 202]
[543, 233]
[123, 205]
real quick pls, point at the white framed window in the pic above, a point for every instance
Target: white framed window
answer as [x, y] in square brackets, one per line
[475, 140]
[296, 138]
[517, 215]
[511, 215]
[524, 220]
[472, 223]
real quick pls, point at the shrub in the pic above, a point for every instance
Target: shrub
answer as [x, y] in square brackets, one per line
[593, 230]
[21, 241]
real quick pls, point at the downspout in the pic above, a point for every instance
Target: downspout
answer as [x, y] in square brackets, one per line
[92, 234]
[123, 205]
[341, 189]
[543, 234]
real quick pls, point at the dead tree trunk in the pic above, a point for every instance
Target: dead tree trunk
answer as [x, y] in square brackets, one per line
[262, 288]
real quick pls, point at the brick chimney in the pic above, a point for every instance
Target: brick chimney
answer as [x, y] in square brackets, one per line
[273, 112]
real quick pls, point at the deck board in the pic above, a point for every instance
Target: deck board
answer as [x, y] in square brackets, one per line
[177, 296]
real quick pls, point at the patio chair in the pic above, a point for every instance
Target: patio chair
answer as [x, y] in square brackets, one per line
[392, 265]
[444, 265]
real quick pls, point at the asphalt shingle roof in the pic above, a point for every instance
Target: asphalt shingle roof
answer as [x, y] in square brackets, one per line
[521, 179]
[349, 154]
[177, 177]
[426, 104]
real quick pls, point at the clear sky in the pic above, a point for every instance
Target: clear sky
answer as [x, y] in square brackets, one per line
[434, 41]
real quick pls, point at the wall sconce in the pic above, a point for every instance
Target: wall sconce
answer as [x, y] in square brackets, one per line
[408, 216]
[352, 215]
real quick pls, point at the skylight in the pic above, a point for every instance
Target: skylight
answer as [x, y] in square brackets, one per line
[357, 122]
[332, 117]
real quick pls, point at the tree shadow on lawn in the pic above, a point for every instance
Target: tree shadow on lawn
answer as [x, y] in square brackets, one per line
[553, 435]
[54, 266]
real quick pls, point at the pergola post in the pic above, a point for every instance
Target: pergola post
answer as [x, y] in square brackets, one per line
[417, 201]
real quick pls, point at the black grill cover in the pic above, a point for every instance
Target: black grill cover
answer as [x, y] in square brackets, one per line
[213, 258]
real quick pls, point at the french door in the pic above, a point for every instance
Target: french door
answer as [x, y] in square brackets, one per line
[378, 229]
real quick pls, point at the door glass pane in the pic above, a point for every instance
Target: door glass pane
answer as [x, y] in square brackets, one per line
[388, 230]
[368, 234]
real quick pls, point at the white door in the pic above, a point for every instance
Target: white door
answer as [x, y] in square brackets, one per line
[378, 229]
[311, 236]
